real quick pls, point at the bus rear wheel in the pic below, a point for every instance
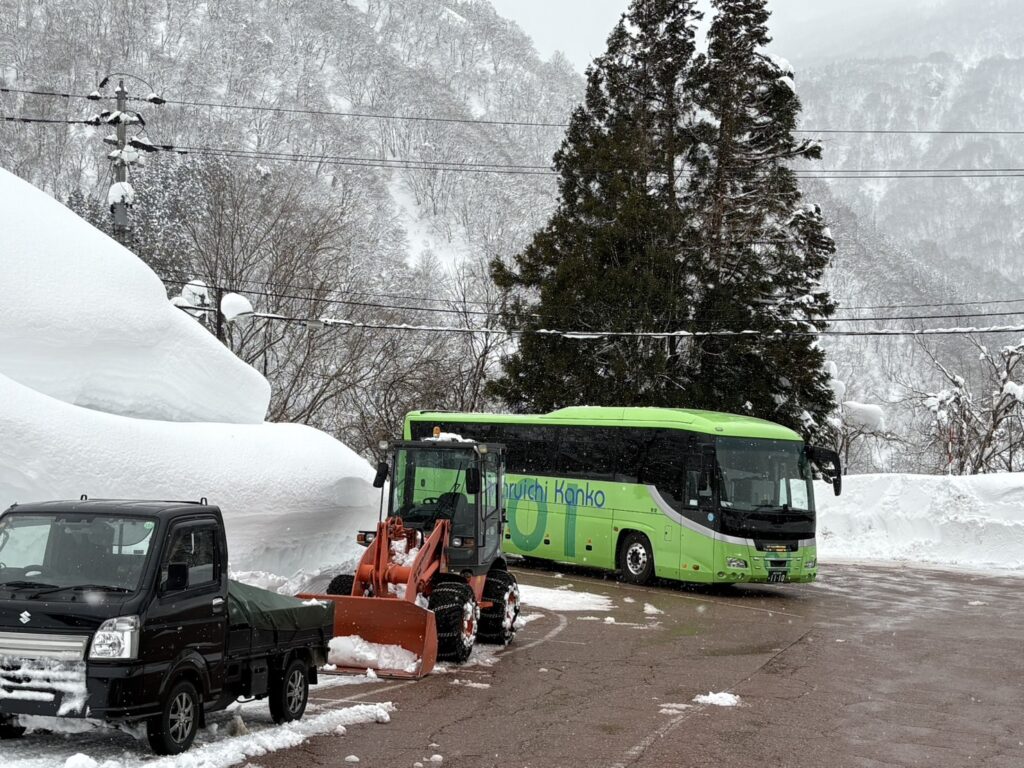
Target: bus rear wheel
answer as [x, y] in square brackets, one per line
[636, 560]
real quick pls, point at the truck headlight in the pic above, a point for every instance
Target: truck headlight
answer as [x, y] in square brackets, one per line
[735, 562]
[116, 639]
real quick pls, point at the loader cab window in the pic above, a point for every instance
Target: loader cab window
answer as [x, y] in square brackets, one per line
[429, 484]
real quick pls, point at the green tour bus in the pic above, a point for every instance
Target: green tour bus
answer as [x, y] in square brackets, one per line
[679, 494]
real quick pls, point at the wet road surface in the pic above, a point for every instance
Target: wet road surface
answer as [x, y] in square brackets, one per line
[869, 667]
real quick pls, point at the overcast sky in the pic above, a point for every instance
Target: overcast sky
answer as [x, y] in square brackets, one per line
[579, 28]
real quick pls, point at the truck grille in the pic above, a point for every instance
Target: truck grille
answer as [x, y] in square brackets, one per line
[44, 682]
[25, 645]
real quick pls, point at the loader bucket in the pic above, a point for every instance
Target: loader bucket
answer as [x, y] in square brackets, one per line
[386, 621]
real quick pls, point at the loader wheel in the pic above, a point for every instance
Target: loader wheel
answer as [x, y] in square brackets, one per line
[289, 695]
[341, 585]
[498, 623]
[457, 616]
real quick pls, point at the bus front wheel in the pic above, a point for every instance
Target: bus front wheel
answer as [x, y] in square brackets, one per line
[636, 560]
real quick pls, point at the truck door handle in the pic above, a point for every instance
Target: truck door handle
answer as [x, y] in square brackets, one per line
[218, 604]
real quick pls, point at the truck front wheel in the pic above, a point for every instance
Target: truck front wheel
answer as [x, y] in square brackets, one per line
[174, 729]
[289, 695]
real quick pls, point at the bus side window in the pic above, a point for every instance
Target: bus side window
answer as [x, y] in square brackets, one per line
[664, 466]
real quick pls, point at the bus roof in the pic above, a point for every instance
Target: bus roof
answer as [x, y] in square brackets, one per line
[708, 422]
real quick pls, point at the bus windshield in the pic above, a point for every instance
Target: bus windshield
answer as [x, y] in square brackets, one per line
[764, 475]
[67, 551]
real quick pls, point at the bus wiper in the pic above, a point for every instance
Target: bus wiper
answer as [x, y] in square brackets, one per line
[80, 588]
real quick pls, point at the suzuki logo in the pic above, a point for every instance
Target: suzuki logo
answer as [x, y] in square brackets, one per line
[25, 617]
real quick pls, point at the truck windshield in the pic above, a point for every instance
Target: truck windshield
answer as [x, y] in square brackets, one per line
[68, 551]
[430, 483]
[764, 475]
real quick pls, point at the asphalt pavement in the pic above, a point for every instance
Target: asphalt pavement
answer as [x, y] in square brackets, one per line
[868, 667]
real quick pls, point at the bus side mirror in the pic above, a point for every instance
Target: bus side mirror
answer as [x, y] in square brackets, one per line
[823, 456]
[382, 475]
[472, 481]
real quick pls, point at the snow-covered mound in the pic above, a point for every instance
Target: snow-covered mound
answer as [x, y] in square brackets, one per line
[84, 320]
[972, 522]
[293, 497]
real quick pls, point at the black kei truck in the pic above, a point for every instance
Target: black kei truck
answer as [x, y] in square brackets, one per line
[122, 611]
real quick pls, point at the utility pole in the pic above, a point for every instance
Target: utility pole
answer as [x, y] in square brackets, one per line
[119, 207]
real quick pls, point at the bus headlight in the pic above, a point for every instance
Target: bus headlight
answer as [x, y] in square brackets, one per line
[735, 562]
[116, 639]
[812, 563]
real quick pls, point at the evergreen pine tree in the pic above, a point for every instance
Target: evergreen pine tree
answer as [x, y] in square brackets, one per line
[765, 249]
[610, 256]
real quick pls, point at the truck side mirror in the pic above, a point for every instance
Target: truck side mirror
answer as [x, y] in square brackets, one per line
[177, 577]
[382, 475]
[472, 481]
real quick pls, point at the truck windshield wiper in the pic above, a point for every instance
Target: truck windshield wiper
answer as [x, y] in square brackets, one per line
[79, 588]
[24, 585]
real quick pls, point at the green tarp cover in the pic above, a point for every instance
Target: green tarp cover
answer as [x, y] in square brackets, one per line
[260, 609]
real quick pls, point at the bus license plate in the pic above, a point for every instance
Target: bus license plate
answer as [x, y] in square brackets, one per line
[777, 577]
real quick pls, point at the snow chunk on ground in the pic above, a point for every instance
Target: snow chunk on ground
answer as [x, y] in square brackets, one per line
[971, 522]
[562, 600]
[717, 699]
[650, 610]
[292, 497]
[353, 651]
[83, 320]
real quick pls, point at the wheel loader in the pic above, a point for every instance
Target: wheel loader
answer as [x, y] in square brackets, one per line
[433, 579]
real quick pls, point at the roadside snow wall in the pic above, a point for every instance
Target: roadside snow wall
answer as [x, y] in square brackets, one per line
[293, 498]
[83, 320]
[107, 389]
[971, 522]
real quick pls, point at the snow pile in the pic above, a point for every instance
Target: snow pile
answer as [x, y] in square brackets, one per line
[974, 522]
[85, 321]
[718, 699]
[291, 496]
[353, 651]
[109, 390]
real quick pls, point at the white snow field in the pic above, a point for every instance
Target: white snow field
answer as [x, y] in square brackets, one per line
[84, 320]
[966, 522]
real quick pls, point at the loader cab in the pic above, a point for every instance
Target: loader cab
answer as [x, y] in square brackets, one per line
[456, 480]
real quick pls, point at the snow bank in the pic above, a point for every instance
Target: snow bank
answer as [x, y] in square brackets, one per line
[83, 320]
[293, 498]
[971, 522]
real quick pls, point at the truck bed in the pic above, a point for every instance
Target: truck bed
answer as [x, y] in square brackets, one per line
[263, 621]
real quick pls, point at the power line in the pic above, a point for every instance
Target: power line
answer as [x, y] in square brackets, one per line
[986, 302]
[47, 120]
[330, 322]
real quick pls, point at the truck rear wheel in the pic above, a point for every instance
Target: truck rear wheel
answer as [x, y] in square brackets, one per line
[457, 616]
[9, 728]
[498, 623]
[289, 695]
[173, 730]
